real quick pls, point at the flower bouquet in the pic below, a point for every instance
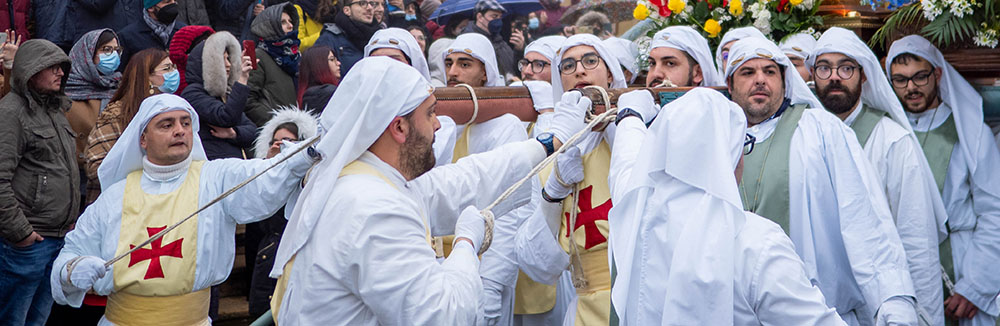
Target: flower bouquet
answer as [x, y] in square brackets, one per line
[944, 22]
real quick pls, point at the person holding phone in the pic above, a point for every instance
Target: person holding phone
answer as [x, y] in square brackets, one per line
[277, 51]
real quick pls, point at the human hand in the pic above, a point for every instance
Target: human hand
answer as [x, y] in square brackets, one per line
[896, 311]
[641, 101]
[958, 307]
[86, 271]
[568, 118]
[471, 226]
[30, 240]
[246, 66]
[258, 8]
[9, 48]
[222, 133]
[568, 171]
[517, 39]
[491, 302]
[541, 94]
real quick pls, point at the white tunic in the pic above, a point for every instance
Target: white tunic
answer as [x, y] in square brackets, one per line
[97, 230]
[973, 207]
[833, 189]
[911, 195]
[369, 262]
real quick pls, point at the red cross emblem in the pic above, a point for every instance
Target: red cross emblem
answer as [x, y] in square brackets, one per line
[154, 270]
[588, 218]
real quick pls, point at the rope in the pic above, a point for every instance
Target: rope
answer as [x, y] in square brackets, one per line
[575, 263]
[475, 103]
[593, 121]
[591, 115]
[216, 200]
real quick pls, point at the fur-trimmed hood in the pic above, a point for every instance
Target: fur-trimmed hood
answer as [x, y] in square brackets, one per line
[306, 122]
[205, 65]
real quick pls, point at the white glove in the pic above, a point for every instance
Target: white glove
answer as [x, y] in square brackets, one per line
[642, 102]
[491, 302]
[541, 94]
[568, 117]
[896, 311]
[569, 167]
[471, 225]
[86, 272]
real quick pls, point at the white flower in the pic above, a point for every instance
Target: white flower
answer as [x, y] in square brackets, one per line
[931, 9]
[987, 38]
[807, 4]
[960, 8]
[763, 23]
[756, 8]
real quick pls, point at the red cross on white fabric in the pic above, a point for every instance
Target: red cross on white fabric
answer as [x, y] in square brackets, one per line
[154, 270]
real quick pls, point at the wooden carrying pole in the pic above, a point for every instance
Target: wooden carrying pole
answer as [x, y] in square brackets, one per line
[456, 102]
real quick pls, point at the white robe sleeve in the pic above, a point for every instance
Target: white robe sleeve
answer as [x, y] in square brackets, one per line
[86, 239]
[780, 292]
[262, 197]
[539, 254]
[476, 180]
[979, 281]
[628, 140]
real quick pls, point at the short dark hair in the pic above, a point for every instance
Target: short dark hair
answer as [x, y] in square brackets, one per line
[905, 58]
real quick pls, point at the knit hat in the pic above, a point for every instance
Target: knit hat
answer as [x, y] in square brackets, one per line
[181, 44]
[146, 4]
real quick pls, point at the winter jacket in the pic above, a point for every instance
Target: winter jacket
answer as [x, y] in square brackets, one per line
[39, 178]
[334, 38]
[139, 36]
[16, 11]
[309, 29]
[316, 97]
[270, 88]
[228, 15]
[192, 12]
[506, 60]
[207, 84]
[53, 21]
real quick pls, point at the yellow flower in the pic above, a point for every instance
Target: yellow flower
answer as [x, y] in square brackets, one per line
[676, 5]
[794, 2]
[712, 27]
[640, 12]
[736, 7]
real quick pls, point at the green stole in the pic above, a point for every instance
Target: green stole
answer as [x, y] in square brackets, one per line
[768, 197]
[865, 123]
[938, 144]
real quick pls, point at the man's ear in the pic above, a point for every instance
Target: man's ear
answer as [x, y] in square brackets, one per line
[485, 78]
[398, 129]
[347, 10]
[142, 140]
[611, 78]
[863, 77]
[938, 73]
[696, 76]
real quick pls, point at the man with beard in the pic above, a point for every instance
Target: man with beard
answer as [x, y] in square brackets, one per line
[680, 55]
[350, 31]
[851, 85]
[373, 264]
[808, 174]
[550, 241]
[946, 114]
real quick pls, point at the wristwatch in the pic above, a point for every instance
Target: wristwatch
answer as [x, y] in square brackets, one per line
[547, 139]
[548, 198]
[622, 114]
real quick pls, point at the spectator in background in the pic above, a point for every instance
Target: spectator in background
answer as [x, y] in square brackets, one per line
[228, 15]
[420, 34]
[488, 22]
[350, 31]
[379, 14]
[149, 73]
[595, 22]
[272, 84]
[290, 125]
[312, 15]
[21, 9]
[551, 13]
[410, 16]
[8, 50]
[319, 75]
[153, 31]
[217, 79]
[181, 44]
[93, 79]
[427, 8]
[39, 181]
[192, 12]
[455, 25]
[53, 21]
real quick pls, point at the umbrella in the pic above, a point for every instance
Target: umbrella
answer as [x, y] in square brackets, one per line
[616, 10]
[452, 7]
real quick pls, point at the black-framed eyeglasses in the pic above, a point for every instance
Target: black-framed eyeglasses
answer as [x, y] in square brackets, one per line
[590, 61]
[748, 144]
[919, 79]
[824, 72]
[365, 3]
[536, 65]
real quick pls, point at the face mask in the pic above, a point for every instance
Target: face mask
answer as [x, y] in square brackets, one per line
[411, 17]
[495, 26]
[167, 14]
[533, 23]
[171, 81]
[108, 62]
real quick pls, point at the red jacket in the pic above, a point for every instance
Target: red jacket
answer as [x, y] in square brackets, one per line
[18, 10]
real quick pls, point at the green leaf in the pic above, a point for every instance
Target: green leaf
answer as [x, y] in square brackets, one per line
[906, 15]
[701, 9]
[947, 29]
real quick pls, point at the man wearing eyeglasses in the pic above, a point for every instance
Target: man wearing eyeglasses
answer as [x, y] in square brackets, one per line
[538, 57]
[808, 174]
[851, 85]
[350, 31]
[946, 114]
[680, 55]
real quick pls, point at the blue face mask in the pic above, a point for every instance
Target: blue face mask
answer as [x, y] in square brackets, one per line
[171, 81]
[108, 63]
[410, 17]
[533, 23]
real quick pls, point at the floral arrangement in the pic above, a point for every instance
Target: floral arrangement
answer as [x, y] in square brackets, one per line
[944, 22]
[775, 18]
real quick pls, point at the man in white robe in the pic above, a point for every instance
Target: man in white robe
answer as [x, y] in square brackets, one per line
[798, 47]
[946, 114]
[728, 39]
[155, 175]
[352, 257]
[809, 174]
[399, 44]
[850, 84]
[680, 54]
[538, 57]
[696, 258]
[627, 53]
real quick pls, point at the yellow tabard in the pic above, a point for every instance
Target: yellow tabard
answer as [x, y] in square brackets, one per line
[153, 286]
[354, 168]
[590, 238]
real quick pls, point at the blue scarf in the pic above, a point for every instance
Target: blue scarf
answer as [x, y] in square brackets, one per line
[284, 51]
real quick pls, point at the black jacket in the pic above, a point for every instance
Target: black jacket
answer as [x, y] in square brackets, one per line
[213, 111]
